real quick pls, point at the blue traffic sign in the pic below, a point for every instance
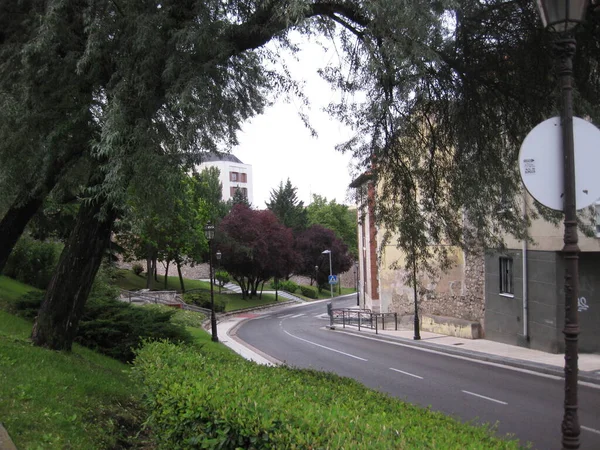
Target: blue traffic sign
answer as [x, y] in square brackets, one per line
[333, 279]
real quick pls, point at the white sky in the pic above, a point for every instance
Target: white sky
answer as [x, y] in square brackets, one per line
[279, 146]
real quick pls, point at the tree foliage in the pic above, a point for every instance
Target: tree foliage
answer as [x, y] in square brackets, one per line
[310, 245]
[255, 247]
[336, 217]
[138, 91]
[285, 205]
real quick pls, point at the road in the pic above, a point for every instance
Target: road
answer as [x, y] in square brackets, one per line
[525, 404]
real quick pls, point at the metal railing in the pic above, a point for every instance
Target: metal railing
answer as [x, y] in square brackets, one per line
[364, 318]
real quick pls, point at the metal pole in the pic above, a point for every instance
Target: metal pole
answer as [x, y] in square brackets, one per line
[213, 318]
[357, 291]
[330, 274]
[564, 49]
[417, 335]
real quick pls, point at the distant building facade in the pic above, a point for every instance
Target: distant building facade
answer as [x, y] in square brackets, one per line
[234, 174]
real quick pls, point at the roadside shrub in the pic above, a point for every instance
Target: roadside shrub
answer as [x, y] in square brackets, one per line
[284, 285]
[28, 305]
[181, 317]
[202, 299]
[223, 277]
[309, 292]
[116, 328]
[33, 262]
[112, 327]
[137, 269]
[260, 407]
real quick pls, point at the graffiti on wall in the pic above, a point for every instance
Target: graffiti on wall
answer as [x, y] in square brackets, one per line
[582, 304]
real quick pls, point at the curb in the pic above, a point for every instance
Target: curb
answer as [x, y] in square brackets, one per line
[480, 356]
[232, 333]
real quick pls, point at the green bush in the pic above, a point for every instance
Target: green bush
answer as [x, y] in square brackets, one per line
[202, 299]
[137, 268]
[116, 328]
[33, 262]
[209, 401]
[284, 285]
[309, 292]
[181, 317]
[110, 326]
[223, 277]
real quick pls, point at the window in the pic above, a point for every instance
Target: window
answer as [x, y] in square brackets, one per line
[245, 192]
[233, 176]
[232, 190]
[244, 177]
[506, 275]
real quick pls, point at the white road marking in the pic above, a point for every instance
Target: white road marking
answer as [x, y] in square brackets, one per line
[486, 398]
[590, 429]
[296, 316]
[286, 316]
[406, 373]
[477, 361]
[326, 348]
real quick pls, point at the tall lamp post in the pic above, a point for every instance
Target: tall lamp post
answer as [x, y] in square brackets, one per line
[328, 252]
[209, 233]
[357, 291]
[561, 16]
[218, 255]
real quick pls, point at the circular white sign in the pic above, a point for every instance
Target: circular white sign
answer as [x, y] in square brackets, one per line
[541, 163]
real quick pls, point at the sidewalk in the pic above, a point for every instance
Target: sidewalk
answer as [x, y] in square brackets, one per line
[474, 349]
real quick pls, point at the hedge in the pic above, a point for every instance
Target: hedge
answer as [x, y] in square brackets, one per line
[207, 401]
[309, 292]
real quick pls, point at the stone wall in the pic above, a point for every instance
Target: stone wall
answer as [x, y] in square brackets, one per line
[200, 272]
[457, 292]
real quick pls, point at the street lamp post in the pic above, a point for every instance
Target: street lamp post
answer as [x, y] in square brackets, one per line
[209, 233]
[316, 277]
[218, 255]
[328, 252]
[330, 306]
[562, 16]
[357, 291]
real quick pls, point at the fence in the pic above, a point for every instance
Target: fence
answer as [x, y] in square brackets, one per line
[364, 318]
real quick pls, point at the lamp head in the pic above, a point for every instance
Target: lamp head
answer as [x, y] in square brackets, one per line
[561, 15]
[209, 231]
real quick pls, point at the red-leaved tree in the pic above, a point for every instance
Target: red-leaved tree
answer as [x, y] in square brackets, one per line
[310, 245]
[255, 247]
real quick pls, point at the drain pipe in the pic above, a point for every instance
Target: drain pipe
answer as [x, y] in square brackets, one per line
[525, 279]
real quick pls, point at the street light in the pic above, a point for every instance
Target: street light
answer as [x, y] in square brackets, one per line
[209, 233]
[328, 252]
[357, 291]
[562, 16]
[330, 306]
[218, 255]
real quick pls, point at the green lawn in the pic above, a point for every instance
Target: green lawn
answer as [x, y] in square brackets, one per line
[129, 281]
[52, 399]
[11, 290]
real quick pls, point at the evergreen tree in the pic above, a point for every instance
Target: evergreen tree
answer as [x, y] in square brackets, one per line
[285, 205]
[239, 198]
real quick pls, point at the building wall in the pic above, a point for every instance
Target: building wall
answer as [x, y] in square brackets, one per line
[504, 313]
[225, 167]
[457, 292]
[367, 246]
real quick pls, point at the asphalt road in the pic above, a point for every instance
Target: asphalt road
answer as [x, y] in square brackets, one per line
[529, 406]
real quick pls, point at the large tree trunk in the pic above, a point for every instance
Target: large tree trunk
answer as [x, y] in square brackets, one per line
[58, 318]
[15, 220]
[30, 198]
[180, 277]
[166, 274]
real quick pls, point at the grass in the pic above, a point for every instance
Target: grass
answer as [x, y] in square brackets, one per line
[52, 399]
[11, 290]
[233, 302]
[129, 281]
